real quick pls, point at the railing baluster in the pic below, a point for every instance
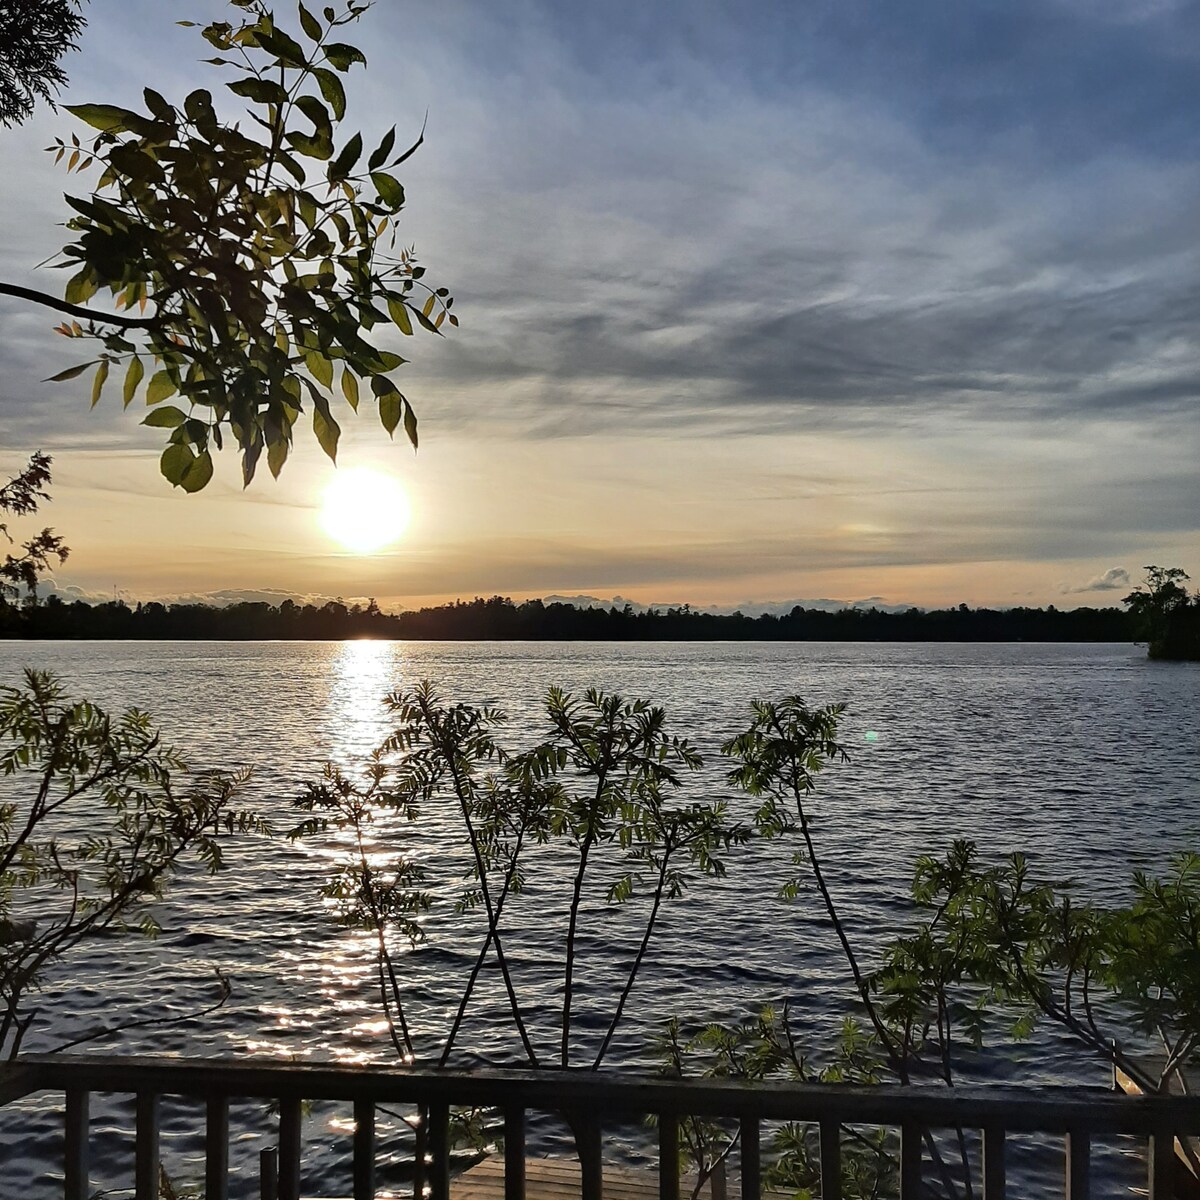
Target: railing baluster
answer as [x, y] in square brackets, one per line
[1161, 1165]
[1078, 1164]
[668, 1156]
[75, 1155]
[717, 1181]
[831, 1161]
[289, 1148]
[419, 1150]
[591, 1168]
[439, 1152]
[268, 1174]
[514, 1153]
[146, 1148]
[216, 1148]
[751, 1160]
[995, 1180]
[910, 1161]
[364, 1150]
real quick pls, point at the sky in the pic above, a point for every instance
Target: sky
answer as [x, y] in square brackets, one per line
[760, 302]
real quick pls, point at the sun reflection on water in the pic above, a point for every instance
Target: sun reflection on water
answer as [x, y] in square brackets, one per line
[363, 673]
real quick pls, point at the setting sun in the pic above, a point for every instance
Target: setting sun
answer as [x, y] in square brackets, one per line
[364, 510]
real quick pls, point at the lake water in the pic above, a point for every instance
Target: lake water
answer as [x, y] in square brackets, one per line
[1087, 757]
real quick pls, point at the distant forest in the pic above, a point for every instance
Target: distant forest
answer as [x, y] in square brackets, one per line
[499, 618]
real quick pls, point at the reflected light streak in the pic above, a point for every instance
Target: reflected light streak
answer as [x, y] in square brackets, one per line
[363, 673]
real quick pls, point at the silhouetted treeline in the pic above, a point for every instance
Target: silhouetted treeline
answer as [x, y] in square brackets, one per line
[500, 618]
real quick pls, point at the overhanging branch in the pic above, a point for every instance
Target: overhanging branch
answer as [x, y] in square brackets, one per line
[76, 310]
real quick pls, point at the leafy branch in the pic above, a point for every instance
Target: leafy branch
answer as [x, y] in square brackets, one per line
[260, 253]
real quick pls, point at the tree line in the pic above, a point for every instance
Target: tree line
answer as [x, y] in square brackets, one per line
[501, 618]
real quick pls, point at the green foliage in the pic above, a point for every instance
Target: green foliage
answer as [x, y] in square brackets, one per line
[260, 251]
[990, 952]
[101, 816]
[597, 794]
[764, 1048]
[1029, 948]
[34, 35]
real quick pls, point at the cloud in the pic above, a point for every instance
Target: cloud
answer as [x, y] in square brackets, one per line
[219, 598]
[1114, 579]
[797, 237]
[959, 237]
[70, 593]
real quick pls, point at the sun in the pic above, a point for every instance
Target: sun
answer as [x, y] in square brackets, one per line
[364, 510]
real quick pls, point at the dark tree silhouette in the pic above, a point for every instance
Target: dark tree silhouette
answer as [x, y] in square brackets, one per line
[20, 497]
[34, 35]
[1165, 616]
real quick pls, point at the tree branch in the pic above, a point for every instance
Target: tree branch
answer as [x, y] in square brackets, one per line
[77, 310]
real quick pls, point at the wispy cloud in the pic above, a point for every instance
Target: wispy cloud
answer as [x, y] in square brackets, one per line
[943, 258]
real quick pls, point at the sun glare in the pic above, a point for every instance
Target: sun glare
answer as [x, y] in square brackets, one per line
[364, 510]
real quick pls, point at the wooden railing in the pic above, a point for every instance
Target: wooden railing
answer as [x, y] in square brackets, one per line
[588, 1100]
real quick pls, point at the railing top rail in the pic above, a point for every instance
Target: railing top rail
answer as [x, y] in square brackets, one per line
[1017, 1109]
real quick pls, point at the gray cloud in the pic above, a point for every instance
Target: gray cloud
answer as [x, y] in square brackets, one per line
[1114, 579]
[775, 219]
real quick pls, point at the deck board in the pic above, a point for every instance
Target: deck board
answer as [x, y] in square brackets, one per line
[558, 1179]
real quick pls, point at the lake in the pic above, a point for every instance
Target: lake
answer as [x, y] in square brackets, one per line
[1087, 757]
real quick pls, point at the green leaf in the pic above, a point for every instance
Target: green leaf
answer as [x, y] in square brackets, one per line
[133, 379]
[250, 456]
[108, 118]
[426, 323]
[343, 56]
[399, 314]
[389, 360]
[344, 163]
[197, 107]
[161, 386]
[99, 381]
[319, 367]
[379, 155]
[167, 417]
[327, 430]
[286, 49]
[319, 147]
[410, 423]
[391, 403]
[70, 372]
[411, 150]
[317, 113]
[198, 474]
[158, 105]
[277, 453]
[310, 24]
[389, 189]
[261, 91]
[175, 463]
[80, 288]
[333, 91]
[350, 388]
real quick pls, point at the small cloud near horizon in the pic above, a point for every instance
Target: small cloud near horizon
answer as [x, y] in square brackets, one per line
[221, 598]
[1114, 579]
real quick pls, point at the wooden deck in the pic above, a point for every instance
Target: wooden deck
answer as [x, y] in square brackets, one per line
[558, 1179]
